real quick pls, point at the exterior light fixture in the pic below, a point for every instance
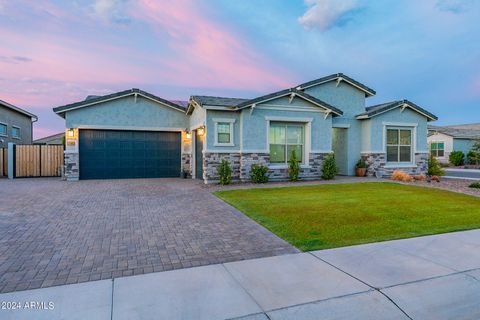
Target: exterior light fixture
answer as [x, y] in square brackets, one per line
[70, 133]
[201, 131]
[188, 135]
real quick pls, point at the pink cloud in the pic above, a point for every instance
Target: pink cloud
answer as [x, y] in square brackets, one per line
[207, 53]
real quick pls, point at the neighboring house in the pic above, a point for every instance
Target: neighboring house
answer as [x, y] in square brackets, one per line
[55, 139]
[445, 139]
[133, 133]
[16, 125]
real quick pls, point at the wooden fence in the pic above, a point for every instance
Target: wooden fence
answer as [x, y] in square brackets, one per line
[38, 160]
[3, 162]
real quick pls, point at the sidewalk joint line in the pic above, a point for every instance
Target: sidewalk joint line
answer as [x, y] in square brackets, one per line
[376, 289]
[111, 307]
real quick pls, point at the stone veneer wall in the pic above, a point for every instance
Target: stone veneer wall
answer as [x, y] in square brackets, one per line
[376, 163]
[187, 163]
[71, 160]
[241, 164]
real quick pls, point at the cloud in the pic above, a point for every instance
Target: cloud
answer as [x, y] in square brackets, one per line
[14, 59]
[324, 14]
[453, 6]
[111, 11]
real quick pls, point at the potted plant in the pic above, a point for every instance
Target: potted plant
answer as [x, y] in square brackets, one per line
[361, 168]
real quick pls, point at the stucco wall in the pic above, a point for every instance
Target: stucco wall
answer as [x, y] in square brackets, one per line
[14, 118]
[213, 115]
[197, 118]
[126, 113]
[399, 117]
[255, 131]
[464, 145]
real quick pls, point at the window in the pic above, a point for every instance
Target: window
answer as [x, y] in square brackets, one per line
[3, 129]
[437, 149]
[284, 138]
[399, 145]
[224, 132]
[15, 132]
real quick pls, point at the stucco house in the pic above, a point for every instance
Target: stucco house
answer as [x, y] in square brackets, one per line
[133, 133]
[16, 125]
[445, 139]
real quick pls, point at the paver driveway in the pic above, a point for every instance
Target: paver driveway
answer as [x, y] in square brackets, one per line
[54, 232]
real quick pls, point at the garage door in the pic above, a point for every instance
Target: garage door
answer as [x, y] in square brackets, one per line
[115, 154]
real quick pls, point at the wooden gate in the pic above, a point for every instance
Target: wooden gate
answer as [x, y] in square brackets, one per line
[3, 162]
[38, 160]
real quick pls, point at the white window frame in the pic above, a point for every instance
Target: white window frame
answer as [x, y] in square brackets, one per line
[6, 130]
[19, 133]
[307, 125]
[436, 154]
[231, 122]
[412, 147]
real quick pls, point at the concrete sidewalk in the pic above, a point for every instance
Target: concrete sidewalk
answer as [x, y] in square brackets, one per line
[434, 277]
[469, 174]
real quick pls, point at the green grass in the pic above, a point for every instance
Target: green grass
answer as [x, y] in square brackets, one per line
[328, 216]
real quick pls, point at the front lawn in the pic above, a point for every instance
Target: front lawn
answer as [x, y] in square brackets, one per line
[335, 215]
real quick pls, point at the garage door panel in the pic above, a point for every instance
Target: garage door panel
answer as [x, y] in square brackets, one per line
[113, 154]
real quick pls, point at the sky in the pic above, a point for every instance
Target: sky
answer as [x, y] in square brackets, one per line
[57, 52]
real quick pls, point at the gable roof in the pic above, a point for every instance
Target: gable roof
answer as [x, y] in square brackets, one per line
[17, 109]
[93, 100]
[338, 77]
[293, 92]
[375, 110]
[57, 136]
[218, 101]
[456, 132]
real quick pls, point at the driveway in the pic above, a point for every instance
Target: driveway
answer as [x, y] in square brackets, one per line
[434, 277]
[472, 174]
[54, 232]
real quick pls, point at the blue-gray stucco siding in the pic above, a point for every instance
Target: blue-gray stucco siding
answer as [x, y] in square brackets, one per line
[464, 145]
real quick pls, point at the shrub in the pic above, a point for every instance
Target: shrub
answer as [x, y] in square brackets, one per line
[419, 178]
[361, 164]
[399, 175]
[293, 167]
[330, 169]
[474, 154]
[434, 168]
[456, 158]
[225, 172]
[258, 173]
[475, 185]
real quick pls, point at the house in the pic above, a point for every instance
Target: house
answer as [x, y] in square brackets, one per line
[16, 125]
[55, 139]
[445, 139]
[133, 133]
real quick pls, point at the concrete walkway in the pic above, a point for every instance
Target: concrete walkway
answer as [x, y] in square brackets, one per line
[434, 277]
[470, 174]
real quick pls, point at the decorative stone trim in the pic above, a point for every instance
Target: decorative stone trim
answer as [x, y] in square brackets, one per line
[72, 172]
[186, 163]
[377, 165]
[211, 162]
[241, 164]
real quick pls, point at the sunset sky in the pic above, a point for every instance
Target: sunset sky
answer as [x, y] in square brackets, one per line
[58, 52]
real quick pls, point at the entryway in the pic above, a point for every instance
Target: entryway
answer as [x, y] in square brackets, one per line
[340, 148]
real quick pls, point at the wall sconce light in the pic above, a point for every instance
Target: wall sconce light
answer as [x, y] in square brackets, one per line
[70, 133]
[188, 135]
[201, 131]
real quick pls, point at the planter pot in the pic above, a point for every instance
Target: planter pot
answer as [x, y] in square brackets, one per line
[360, 172]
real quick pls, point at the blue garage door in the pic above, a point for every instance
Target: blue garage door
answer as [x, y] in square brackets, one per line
[115, 154]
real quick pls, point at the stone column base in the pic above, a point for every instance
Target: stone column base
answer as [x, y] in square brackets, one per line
[72, 168]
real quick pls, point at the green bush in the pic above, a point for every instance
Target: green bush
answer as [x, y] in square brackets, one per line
[457, 158]
[225, 172]
[434, 168]
[330, 169]
[258, 173]
[293, 167]
[475, 185]
[473, 155]
[361, 164]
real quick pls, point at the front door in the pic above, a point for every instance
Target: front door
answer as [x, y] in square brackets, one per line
[198, 155]
[340, 149]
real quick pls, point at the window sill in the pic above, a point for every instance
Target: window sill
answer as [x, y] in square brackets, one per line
[224, 145]
[4, 135]
[18, 138]
[400, 165]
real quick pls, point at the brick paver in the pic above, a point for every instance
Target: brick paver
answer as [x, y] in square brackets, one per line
[54, 232]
